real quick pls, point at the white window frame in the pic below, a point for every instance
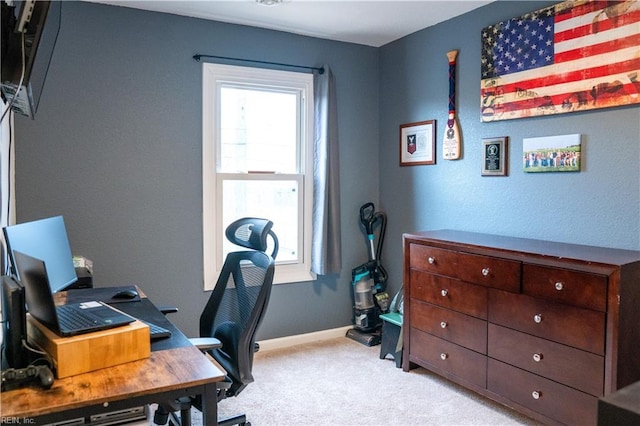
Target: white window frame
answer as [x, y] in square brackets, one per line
[213, 76]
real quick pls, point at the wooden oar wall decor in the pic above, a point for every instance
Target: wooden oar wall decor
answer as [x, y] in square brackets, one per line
[452, 137]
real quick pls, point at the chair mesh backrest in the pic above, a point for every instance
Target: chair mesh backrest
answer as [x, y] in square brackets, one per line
[236, 307]
[242, 292]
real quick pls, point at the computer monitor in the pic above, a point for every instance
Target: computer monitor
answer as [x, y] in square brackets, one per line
[44, 239]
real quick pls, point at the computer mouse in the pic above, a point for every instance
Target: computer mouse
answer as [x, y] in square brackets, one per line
[125, 294]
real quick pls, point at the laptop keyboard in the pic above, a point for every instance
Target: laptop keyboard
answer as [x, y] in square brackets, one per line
[157, 332]
[71, 318]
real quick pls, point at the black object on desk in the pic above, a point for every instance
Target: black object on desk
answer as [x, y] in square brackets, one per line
[85, 279]
[15, 378]
[146, 311]
[138, 307]
[101, 294]
[157, 332]
[127, 294]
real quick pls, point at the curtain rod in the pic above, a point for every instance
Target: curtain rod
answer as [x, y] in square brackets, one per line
[198, 56]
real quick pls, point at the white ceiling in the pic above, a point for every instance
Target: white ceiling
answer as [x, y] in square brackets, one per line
[368, 22]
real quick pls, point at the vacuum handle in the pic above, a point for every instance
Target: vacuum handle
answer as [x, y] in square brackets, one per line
[366, 216]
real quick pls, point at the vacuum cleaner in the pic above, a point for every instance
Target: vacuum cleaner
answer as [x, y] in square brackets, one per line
[369, 282]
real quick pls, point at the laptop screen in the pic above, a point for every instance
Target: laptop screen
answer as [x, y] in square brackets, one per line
[37, 291]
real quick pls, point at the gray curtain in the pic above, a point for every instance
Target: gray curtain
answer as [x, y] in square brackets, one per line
[326, 249]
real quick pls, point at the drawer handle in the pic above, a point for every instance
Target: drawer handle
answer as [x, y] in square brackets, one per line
[444, 356]
[431, 260]
[537, 318]
[486, 271]
[536, 394]
[559, 286]
[444, 292]
[443, 324]
[537, 357]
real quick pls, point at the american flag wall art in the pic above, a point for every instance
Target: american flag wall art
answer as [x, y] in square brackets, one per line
[573, 56]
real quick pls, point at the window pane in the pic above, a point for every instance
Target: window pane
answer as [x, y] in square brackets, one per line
[276, 200]
[258, 130]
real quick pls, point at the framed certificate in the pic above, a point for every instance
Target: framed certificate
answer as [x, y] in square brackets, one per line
[417, 143]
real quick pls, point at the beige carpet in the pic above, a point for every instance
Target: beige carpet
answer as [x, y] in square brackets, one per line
[341, 382]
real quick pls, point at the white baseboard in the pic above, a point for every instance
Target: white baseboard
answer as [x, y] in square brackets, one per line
[299, 339]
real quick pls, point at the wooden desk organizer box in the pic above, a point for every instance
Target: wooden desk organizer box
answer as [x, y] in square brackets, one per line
[91, 351]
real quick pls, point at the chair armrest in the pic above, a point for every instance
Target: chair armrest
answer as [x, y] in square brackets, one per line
[168, 309]
[206, 343]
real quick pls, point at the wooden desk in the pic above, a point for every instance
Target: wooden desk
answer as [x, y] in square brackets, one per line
[170, 373]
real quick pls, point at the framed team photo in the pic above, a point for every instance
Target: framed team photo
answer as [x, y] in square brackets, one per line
[562, 153]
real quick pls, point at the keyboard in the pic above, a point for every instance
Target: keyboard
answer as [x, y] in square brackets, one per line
[157, 332]
[71, 318]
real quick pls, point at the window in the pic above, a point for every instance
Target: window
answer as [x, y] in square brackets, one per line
[258, 161]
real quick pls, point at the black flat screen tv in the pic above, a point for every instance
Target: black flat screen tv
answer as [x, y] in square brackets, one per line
[39, 23]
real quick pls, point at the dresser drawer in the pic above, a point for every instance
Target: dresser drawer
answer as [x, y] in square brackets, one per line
[489, 271]
[547, 397]
[434, 260]
[570, 287]
[573, 367]
[448, 358]
[577, 327]
[449, 293]
[459, 328]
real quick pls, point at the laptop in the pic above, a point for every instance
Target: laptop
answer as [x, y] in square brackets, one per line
[66, 320]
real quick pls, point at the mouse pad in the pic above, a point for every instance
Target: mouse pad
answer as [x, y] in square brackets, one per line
[101, 294]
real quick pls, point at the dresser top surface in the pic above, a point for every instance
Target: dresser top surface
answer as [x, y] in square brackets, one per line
[544, 248]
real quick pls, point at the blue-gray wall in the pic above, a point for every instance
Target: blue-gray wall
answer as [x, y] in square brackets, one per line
[598, 206]
[116, 149]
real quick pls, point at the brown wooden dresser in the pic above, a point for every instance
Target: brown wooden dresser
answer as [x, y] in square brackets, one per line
[543, 327]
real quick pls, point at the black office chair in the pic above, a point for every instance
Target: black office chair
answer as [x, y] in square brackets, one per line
[233, 314]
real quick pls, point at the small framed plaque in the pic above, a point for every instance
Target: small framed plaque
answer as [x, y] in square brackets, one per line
[494, 156]
[417, 143]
